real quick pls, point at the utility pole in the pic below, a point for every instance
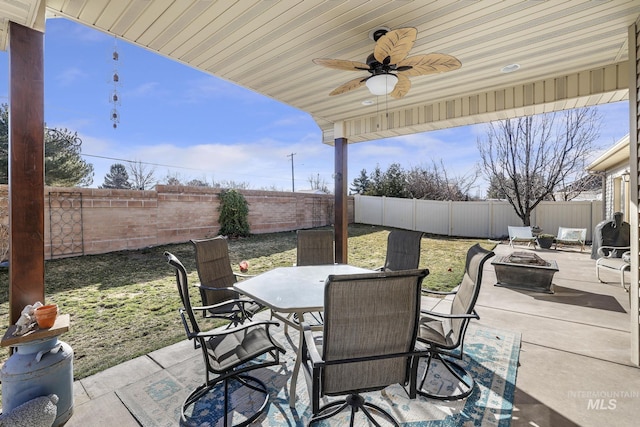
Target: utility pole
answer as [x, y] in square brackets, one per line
[293, 187]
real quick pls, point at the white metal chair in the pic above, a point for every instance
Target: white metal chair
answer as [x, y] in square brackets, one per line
[521, 234]
[571, 236]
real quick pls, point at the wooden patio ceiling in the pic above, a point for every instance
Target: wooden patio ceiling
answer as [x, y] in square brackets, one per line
[571, 53]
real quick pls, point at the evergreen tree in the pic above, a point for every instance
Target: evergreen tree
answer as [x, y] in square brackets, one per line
[360, 184]
[63, 164]
[394, 182]
[375, 183]
[117, 177]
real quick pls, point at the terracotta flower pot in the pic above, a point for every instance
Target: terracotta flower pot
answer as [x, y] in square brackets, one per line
[46, 315]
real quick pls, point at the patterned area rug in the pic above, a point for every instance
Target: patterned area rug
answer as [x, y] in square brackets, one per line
[491, 356]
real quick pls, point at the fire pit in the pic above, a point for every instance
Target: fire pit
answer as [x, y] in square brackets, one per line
[525, 270]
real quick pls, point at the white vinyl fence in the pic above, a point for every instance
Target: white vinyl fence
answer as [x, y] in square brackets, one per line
[486, 219]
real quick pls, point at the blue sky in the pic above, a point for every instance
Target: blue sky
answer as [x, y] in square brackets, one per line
[198, 126]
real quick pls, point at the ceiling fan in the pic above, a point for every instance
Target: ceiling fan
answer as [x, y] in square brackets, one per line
[389, 66]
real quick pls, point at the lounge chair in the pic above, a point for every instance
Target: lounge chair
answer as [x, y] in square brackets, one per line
[571, 236]
[521, 234]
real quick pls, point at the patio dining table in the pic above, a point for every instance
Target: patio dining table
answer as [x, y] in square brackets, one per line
[293, 290]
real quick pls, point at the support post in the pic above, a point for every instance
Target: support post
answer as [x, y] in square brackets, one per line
[26, 168]
[634, 158]
[341, 205]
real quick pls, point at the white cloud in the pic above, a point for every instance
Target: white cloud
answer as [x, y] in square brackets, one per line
[70, 75]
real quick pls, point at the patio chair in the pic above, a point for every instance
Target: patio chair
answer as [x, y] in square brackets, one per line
[229, 354]
[521, 234]
[608, 260]
[315, 247]
[443, 333]
[368, 341]
[403, 250]
[216, 281]
[614, 235]
[571, 236]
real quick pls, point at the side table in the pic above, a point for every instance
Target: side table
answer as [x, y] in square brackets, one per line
[41, 365]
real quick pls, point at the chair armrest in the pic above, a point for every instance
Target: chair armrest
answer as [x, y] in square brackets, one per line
[312, 349]
[473, 315]
[431, 291]
[238, 328]
[208, 288]
[239, 301]
[611, 250]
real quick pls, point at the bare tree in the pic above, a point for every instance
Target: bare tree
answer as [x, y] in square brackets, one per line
[434, 183]
[570, 190]
[141, 175]
[195, 182]
[318, 183]
[231, 184]
[528, 158]
[172, 178]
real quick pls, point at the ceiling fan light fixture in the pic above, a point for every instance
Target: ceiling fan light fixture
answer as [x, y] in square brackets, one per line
[382, 84]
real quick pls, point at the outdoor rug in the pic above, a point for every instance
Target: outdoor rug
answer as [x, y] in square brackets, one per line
[491, 356]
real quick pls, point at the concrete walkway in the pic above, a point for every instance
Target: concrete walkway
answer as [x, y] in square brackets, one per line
[574, 368]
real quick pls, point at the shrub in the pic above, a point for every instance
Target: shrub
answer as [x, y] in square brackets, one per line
[234, 214]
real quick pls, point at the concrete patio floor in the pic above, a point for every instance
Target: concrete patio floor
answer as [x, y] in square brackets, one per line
[574, 366]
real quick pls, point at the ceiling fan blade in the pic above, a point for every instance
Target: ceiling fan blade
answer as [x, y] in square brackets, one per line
[428, 64]
[349, 86]
[402, 87]
[395, 45]
[341, 64]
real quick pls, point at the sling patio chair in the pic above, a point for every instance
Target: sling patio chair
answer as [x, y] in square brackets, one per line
[228, 354]
[443, 333]
[368, 341]
[313, 247]
[521, 234]
[403, 250]
[216, 281]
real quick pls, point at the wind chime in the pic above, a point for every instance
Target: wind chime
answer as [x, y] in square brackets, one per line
[114, 98]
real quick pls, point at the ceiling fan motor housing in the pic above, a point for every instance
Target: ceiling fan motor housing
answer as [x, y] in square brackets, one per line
[376, 33]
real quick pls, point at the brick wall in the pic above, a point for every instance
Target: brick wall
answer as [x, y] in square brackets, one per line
[114, 220]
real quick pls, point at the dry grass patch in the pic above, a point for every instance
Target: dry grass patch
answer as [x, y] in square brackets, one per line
[124, 304]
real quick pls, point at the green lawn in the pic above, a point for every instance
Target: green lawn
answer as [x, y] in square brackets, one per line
[125, 304]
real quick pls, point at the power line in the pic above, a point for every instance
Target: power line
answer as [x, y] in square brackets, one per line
[176, 167]
[145, 163]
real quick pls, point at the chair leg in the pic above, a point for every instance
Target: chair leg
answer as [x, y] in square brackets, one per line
[190, 403]
[465, 380]
[356, 403]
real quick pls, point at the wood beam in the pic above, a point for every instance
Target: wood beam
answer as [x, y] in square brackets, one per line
[26, 168]
[341, 206]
